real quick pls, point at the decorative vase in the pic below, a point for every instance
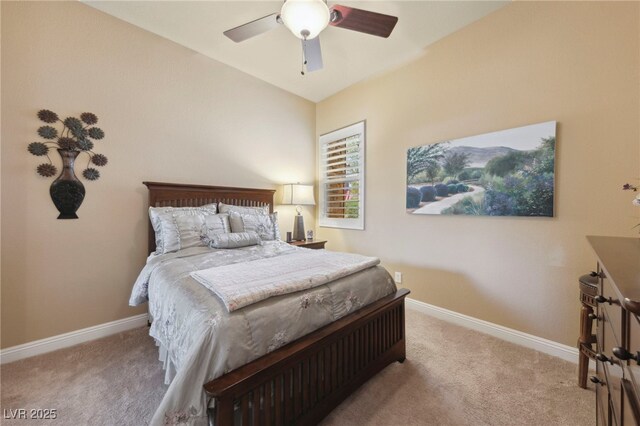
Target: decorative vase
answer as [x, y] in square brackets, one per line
[67, 192]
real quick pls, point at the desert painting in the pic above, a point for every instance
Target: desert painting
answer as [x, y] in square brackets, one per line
[505, 173]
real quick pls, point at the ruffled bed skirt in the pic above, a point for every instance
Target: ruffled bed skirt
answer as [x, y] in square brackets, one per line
[167, 364]
[169, 374]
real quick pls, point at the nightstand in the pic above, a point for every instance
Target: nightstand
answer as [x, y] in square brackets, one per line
[313, 244]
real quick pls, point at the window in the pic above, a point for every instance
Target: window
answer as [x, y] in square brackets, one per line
[341, 168]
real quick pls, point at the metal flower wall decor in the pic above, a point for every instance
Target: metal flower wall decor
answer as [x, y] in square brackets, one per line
[636, 199]
[76, 137]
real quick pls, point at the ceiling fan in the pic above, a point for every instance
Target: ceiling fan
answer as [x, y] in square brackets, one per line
[307, 18]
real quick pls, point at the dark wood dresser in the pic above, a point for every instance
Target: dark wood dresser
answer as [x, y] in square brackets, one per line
[617, 376]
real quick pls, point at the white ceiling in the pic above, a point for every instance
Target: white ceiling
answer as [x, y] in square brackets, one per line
[275, 57]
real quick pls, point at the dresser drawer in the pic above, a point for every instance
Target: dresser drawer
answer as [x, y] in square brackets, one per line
[613, 313]
[601, 413]
[608, 336]
[612, 369]
[631, 410]
[602, 397]
[613, 377]
[634, 348]
[614, 421]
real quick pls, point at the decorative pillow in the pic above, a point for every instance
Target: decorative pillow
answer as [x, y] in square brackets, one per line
[166, 230]
[228, 208]
[192, 227]
[214, 225]
[234, 240]
[266, 226]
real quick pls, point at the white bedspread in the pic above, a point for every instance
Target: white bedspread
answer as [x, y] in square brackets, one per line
[242, 284]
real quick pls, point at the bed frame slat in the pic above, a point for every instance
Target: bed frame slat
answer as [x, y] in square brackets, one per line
[336, 361]
[268, 402]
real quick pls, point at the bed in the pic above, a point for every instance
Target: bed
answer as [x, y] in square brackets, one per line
[301, 381]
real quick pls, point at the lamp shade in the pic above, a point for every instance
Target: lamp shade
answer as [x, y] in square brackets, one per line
[305, 18]
[299, 195]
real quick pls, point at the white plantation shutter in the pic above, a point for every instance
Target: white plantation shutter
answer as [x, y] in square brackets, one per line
[341, 168]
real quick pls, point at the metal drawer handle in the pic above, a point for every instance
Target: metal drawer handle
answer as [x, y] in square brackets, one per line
[597, 381]
[625, 355]
[603, 358]
[602, 299]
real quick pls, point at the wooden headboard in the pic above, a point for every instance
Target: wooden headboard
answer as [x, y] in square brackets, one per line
[183, 195]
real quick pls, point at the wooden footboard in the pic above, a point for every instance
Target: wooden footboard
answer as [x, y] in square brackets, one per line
[303, 381]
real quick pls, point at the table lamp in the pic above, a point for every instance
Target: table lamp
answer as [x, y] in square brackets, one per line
[298, 195]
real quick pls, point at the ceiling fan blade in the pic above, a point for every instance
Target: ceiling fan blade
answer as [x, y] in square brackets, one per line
[362, 21]
[253, 28]
[312, 54]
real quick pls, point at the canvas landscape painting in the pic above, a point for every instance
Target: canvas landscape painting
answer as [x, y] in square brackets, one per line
[505, 173]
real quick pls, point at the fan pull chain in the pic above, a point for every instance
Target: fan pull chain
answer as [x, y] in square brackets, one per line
[304, 34]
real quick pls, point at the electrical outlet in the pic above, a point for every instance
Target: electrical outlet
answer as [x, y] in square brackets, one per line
[397, 277]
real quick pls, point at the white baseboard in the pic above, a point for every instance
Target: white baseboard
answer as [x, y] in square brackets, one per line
[549, 347]
[60, 341]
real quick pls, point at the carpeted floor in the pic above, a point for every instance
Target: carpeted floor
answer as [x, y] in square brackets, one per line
[452, 376]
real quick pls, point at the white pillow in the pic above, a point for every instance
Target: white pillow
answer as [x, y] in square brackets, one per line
[214, 225]
[266, 226]
[234, 240]
[166, 228]
[228, 208]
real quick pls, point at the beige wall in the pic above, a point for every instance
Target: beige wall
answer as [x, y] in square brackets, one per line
[173, 115]
[577, 63]
[169, 115]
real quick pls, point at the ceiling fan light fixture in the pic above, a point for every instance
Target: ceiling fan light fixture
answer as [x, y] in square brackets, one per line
[305, 18]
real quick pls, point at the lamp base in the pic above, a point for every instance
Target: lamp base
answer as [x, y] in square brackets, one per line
[298, 228]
